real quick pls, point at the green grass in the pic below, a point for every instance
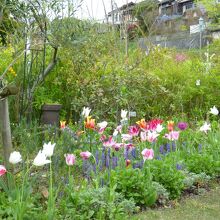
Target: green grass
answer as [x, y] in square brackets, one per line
[202, 207]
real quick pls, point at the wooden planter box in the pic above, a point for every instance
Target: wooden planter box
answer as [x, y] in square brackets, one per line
[51, 114]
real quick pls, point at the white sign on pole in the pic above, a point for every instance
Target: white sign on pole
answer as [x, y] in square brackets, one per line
[194, 29]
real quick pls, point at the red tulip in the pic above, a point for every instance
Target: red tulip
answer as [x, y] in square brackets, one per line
[128, 162]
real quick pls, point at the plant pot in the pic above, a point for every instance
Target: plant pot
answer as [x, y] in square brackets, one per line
[51, 114]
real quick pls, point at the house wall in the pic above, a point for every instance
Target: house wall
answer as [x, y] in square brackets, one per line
[182, 23]
[173, 7]
[216, 35]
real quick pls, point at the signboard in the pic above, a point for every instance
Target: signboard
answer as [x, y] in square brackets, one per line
[194, 29]
[132, 114]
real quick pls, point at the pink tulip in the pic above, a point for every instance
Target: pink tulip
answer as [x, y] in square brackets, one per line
[102, 138]
[148, 154]
[129, 146]
[2, 170]
[117, 146]
[172, 136]
[119, 128]
[143, 135]
[109, 143]
[134, 130]
[153, 124]
[126, 137]
[102, 126]
[70, 159]
[152, 136]
[85, 155]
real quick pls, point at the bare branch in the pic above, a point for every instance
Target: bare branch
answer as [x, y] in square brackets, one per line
[45, 72]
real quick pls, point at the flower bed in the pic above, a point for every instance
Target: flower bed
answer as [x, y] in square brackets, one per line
[107, 171]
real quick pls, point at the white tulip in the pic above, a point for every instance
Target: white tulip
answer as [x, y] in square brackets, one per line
[115, 133]
[15, 157]
[48, 149]
[102, 124]
[124, 114]
[41, 159]
[159, 128]
[198, 82]
[214, 110]
[206, 127]
[86, 111]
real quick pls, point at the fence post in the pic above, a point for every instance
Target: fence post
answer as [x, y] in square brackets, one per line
[5, 130]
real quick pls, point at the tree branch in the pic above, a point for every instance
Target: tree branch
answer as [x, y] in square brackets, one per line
[45, 72]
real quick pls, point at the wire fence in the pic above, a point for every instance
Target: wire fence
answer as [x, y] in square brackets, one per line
[180, 40]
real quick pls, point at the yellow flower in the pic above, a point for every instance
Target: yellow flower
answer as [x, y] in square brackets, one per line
[11, 71]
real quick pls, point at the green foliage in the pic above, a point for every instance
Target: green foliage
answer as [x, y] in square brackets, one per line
[5, 211]
[101, 203]
[29, 137]
[146, 13]
[199, 163]
[135, 184]
[213, 9]
[167, 175]
[107, 84]
[194, 180]
[162, 194]
[19, 204]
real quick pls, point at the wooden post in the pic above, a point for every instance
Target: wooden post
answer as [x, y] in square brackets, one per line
[5, 130]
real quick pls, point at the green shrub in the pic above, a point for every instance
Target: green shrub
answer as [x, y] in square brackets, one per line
[107, 84]
[167, 175]
[202, 163]
[135, 184]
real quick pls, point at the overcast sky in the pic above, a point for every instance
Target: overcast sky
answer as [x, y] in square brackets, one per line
[93, 9]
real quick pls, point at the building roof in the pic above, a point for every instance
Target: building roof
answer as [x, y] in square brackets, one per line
[179, 1]
[183, 1]
[123, 7]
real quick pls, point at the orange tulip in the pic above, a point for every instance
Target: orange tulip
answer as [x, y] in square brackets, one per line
[90, 123]
[142, 124]
[170, 125]
[62, 124]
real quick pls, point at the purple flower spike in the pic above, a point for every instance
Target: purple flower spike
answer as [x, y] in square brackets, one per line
[158, 158]
[102, 183]
[133, 152]
[107, 164]
[173, 146]
[114, 162]
[182, 126]
[168, 147]
[102, 160]
[97, 157]
[126, 154]
[179, 166]
[162, 149]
